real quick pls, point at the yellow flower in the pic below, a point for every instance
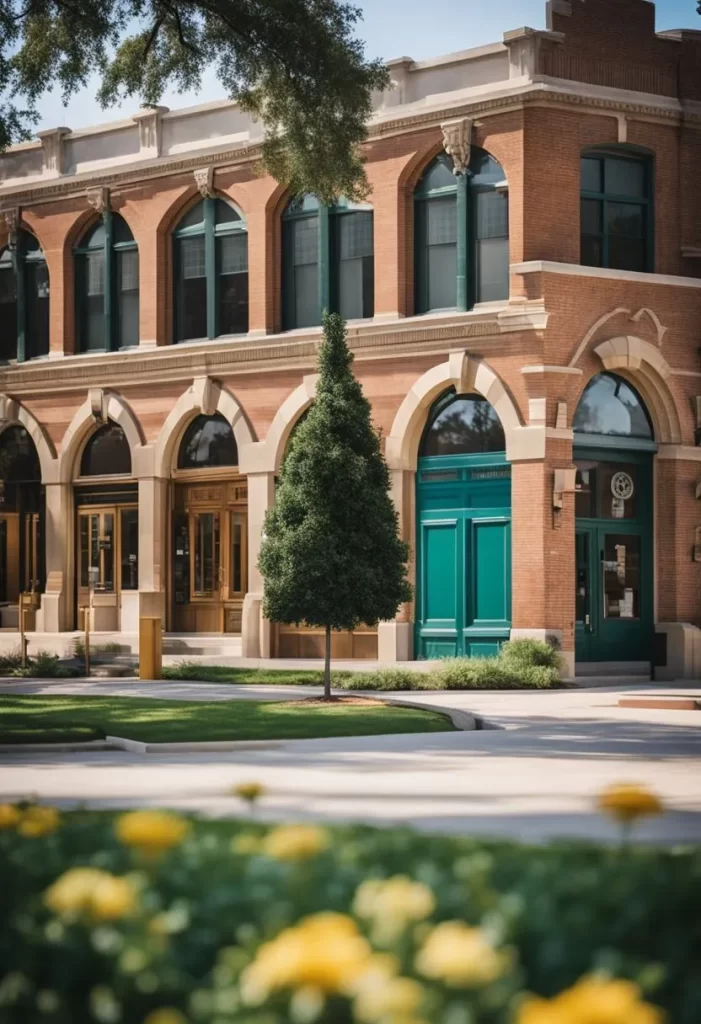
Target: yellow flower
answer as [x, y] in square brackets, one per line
[38, 821]
[388, 999]
[9, 815]
[626, 802]
[89, 890]
[151, 832]
[324, 952]
[592, 1001]
[249, 791]
[112, 898]
[391, 904]
[165, 1015]
[459, 955]
[246, 844]
[295, 842]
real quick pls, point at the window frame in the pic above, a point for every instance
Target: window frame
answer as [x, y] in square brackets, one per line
[20, 257]
[646, 201]
[210, 231]
[111, 304]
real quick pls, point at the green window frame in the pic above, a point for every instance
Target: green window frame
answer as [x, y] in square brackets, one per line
[616, 210]
[24, 300]
[328, 261]
[210, 260]
[461, 234]
[107, 286]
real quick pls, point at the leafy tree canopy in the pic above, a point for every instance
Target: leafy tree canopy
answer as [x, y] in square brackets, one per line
[296, 65]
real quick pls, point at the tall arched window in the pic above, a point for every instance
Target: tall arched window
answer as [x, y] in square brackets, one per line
[107, 286]
[609, 406]
[107, 453]
[208, 441]
[211, 272]
[327, 261]
[462, 425]
[616, 211]
[24, 300]
[461, 235]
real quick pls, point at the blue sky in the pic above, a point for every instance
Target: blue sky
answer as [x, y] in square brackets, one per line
[391, 28]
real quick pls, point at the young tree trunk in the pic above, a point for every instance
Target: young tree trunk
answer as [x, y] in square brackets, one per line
[327, 665]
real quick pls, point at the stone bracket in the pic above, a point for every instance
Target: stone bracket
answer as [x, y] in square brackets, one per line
[563, 482]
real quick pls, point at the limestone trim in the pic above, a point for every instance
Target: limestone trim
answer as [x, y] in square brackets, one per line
[84, 422]
[679, 452]
[13, 413]
[204, 396]
[466, 374]
[266, 456]
[646, 368]
[605, 273]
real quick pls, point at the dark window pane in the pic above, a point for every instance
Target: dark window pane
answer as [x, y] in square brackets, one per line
[626, 219]
[130, 548]
[437, 263]
[492, 269]
[621, 582]
[232, 263]
[300, 272]
[438, 174]
[585, 491]
[106, 453]
[624, 177]
[441, 221]
[192, 297]
[8, 310]
[94, 237]
[127, 262]
[355, 265]
[181, 558]
[591, 251]
[484, 169]
[193, 217]
[18, 457]
[37, 285]
[491, 215]
[121, 232]
[591, 174]
[93, 299]
[591, 214]
[208, 441]
[468, 424]
[627, 254]
[225, 213]
[442, 271]
[610, 406]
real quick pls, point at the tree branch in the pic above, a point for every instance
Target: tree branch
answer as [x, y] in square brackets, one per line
[152, 36]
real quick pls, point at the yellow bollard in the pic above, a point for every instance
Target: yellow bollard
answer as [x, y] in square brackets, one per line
[150, 647]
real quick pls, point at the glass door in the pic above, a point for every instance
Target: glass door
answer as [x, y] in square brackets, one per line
[205, 548]
[585, 599]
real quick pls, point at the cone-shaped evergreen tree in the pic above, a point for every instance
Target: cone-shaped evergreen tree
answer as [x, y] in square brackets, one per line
[331, 556]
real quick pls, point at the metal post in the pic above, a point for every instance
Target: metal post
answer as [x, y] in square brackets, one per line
[86, 623]
[22, 636]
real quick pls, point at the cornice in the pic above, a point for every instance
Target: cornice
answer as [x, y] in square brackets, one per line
[174, 363]
[541, 92]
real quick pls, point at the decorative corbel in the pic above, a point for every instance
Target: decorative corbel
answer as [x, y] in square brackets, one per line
[204, 179]
[11, 217]
[99, 199]
[561, 416]
[457, 136]
[563, 481]
[205, 395]
[52, 144]
[149, 123]
[9, 409]
[98, 405]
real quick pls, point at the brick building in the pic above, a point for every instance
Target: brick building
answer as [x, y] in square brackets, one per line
[523, 291]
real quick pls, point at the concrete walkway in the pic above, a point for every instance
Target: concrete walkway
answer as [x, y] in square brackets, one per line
[533, 778]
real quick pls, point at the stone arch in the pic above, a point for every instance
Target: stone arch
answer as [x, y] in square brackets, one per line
[205, 397]
[645, 367]
[98, 407]
[266, 456]
[465, 374]
[13, 413]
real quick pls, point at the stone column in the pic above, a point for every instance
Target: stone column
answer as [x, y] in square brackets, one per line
[56, 611]
[395, 639]
[153, 544]
[255, 630]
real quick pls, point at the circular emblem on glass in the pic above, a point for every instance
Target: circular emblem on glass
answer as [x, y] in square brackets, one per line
[622, 485]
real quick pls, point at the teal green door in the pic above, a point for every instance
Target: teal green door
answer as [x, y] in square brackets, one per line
[463, 593]
[614, 556]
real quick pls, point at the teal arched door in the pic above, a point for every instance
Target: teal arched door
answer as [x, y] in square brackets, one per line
[613, 452]
[463, 535]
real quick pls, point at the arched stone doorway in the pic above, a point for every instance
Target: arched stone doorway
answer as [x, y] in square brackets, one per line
[209, 576]
[22, 511]
[463, 530]
[614, 446]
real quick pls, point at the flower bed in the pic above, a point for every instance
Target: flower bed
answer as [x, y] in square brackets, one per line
[150, 918]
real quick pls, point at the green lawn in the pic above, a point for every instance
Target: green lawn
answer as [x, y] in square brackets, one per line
[32, 719]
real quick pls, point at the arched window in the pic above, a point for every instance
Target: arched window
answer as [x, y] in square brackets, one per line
[616, 211]
[461, 235]
[107, 453]
[19, 462]
[107, 286]
[24, 300]
[208, 441]
[211, 272]
[610, 406]
[327, 261]
[462, 425]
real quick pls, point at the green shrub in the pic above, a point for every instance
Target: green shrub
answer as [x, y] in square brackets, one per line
[526, 651]
[10, 660]
[42, 665]
[385, 679]
[203, 910]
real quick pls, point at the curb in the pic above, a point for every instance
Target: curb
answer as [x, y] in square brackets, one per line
[59, 748]
[193, 747]
[462, 720]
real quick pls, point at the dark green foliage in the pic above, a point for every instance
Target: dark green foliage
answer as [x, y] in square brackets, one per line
[296, 65]
[566, 909]
[332, 555]
[526, 651]
[42, 665]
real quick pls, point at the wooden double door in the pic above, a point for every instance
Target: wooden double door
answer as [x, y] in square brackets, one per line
[108, 561]
[209, 556]
[20, 562]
